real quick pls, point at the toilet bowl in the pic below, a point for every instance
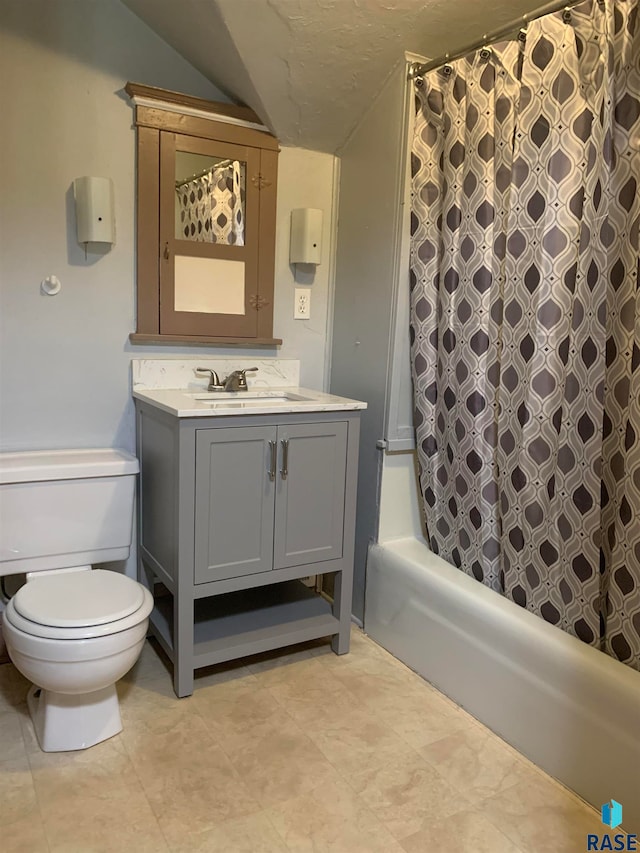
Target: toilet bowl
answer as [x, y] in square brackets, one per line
[71, 630]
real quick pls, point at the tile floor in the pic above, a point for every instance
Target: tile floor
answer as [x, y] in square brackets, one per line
[292, 751]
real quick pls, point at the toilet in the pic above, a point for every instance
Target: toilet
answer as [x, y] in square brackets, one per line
[72, 630]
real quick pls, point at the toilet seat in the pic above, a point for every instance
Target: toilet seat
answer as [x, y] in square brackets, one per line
[78, 605]
[78, 599]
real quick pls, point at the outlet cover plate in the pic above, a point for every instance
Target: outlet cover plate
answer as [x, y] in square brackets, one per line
[302, 303]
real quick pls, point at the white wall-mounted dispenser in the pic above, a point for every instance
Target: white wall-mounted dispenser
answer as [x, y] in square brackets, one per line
[305, 246]
[95, 217]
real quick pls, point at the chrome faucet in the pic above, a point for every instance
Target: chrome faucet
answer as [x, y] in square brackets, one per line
[237, 380]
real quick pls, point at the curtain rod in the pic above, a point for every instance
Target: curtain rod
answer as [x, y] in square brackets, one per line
[417, 69]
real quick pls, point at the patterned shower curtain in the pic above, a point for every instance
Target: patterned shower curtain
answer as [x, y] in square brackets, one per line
[525, 318]
[211, 206]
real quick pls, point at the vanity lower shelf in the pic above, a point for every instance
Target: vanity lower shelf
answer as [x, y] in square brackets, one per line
[247, 622]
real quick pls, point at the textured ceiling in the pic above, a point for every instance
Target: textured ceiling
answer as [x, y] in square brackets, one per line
[309, 68]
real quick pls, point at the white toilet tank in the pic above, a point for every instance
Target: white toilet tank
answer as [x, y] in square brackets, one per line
[63, 508]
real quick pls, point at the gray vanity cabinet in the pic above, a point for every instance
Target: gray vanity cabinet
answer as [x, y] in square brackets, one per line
[236, 512]
[268, 498]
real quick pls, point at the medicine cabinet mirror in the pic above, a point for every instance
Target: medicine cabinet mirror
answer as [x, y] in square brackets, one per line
[206, 206]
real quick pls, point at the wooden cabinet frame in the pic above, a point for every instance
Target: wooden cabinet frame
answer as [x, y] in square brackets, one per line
[165, 121]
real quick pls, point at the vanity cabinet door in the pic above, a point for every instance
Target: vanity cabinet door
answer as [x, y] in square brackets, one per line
[309, 515]
[234, 502]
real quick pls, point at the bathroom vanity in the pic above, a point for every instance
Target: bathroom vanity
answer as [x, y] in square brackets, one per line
[242, 496]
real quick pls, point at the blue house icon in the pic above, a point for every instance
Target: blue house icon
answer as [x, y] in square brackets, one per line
[612, 814]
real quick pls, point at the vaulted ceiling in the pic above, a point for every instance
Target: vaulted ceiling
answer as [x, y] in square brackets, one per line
[310, 68]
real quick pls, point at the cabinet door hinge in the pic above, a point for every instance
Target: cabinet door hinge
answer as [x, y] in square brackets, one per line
[260, 182]
[258, 302]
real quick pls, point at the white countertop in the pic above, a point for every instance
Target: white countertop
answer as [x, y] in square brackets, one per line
[198, 403]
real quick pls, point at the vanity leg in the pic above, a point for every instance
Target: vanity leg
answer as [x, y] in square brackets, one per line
[342, 611]
[183, 645]
[183, 598]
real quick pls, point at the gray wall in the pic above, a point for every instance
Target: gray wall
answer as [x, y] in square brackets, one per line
[64, 359]
[369, 242]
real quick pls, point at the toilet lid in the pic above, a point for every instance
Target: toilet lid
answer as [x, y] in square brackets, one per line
[79, 599]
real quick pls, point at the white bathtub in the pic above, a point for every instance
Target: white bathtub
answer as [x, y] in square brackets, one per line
[572, 710]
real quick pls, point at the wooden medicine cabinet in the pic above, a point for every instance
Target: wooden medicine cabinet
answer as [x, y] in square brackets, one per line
[206, 214]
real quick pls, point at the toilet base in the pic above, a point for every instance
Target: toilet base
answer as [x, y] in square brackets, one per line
[65, 722]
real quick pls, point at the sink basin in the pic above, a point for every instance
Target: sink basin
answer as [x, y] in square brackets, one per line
[246, 399]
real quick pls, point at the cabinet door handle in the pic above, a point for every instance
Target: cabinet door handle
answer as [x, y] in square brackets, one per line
[273, 449]
[285, 458]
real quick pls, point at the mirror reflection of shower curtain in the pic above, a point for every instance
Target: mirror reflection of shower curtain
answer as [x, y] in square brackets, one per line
[525, 326]
[211, 206]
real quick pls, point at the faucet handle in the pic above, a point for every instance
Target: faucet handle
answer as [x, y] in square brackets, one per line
[214, 379]
[242, 378]
[237, 380]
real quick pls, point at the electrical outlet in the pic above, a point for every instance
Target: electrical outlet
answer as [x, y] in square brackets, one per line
[302, 303]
